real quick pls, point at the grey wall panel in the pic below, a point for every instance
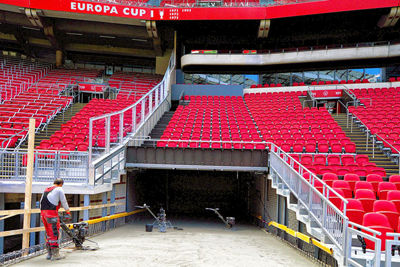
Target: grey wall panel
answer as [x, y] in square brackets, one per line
[201, 89]
[206, 157]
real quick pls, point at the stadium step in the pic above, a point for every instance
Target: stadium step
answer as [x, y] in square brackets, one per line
[55, 124]
[359, 138]
[158, 130]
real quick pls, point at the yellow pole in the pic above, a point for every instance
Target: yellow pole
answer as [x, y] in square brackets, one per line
[28, 183]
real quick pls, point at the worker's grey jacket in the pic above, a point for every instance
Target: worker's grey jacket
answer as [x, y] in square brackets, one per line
[56, 196]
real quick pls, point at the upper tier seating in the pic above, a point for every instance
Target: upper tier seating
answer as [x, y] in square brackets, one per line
[16, 75]
[382, 117]
[15, 114]
[74, 135]
[282, 120]
[56, 80]
[222, 119]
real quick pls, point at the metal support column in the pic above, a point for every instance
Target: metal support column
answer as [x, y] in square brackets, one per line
[86, 202]
[112, 209]
[104, 210]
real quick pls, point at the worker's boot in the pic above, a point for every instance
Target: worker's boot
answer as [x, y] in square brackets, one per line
[48, 257]
[55, 254]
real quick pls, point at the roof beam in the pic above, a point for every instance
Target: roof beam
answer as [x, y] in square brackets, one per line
[103, 49]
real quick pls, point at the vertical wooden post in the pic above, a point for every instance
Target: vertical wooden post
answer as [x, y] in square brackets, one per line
[28, 183]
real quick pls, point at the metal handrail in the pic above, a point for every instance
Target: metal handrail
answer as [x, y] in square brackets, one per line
[370, 100]
[339, 242]
[160, 91]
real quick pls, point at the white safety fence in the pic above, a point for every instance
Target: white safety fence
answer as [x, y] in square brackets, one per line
[315, 196]
[126, 122]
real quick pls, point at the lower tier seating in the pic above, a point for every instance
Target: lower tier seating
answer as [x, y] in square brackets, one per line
[338, 164]
[15, 114]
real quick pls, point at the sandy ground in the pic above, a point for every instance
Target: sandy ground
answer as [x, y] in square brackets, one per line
[199, 244]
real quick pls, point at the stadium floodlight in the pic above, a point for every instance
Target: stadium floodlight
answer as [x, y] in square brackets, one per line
[74, 33]
[139, 40]
[107, 36]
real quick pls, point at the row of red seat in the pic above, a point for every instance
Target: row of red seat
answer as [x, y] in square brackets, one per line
[16, 75]
[305, 130]
[57, 80]
[15, 115]
[133, 85]
[212, 118]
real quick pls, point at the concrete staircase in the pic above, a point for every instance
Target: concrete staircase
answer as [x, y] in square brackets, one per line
[55, 124]
[359, 138]
[158, 130]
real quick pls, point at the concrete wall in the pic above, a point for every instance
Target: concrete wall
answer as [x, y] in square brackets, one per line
[162, 62]
[200, 89]
[301, 57]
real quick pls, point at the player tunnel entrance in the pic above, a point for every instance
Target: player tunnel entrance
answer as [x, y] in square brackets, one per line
[187, 194]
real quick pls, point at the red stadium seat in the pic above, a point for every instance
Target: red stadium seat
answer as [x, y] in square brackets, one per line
[394, 197]
[389, 209]
[384, 188]
[354, 210]
[380, 223]
[351, 179]
[366, 197]
[395, 179]
[374, 179]
[344, 186]
[329, 178]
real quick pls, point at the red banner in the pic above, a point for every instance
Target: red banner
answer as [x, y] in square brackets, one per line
[204, 13]
[91, 87]
[327, 93]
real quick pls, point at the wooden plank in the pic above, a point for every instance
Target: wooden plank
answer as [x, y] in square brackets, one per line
[28, 184]
[21, 231]
[38, 229]
[19, 212]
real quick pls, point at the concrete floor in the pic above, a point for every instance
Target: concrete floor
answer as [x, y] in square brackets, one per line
[199, 244]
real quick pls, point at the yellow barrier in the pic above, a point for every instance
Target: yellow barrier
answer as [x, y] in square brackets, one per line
[301, 236]
[112, 217]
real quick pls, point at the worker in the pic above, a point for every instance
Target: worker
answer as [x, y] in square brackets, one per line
[52, 198]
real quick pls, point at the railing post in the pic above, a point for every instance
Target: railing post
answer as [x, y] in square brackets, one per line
[373, 146]
[347, 238]
[150, 103]
[157, 95]
[324, 208]
[107, 135]
[90, 139]
[121, 128]
[134, 118]
[143, 111]
[351, 129]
